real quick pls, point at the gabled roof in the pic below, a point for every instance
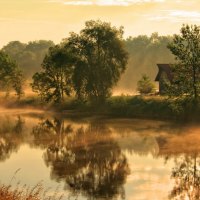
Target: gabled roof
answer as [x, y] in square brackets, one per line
[164, 68]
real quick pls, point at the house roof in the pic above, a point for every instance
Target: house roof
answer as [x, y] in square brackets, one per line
[164, 68]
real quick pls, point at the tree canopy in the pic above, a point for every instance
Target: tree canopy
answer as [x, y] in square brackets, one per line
[10, 75]
[55, 79]
[144, 53]
[28, 56]
[186, 48]
[101, 58]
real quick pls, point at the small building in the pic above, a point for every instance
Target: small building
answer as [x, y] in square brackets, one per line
[164, 75]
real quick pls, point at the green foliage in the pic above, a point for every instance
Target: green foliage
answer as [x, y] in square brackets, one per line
[18, 83]
[54, 82]
[100, 60]
[10, 75]
[144, 54]
[145, 86]
[140, 107]
[185, 87]
[29, 56]
[186, 48]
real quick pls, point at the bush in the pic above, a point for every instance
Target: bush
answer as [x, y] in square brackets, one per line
[145, 86]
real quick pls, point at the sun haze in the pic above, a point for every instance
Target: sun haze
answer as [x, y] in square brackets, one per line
[27, 20]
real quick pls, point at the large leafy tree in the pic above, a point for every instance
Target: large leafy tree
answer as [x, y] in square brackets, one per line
[10, 75]
[100, 59]
[54, 82]
[186, 48]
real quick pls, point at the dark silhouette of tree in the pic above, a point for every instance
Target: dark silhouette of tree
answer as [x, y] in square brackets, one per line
[54, 82]
[186, 48]
[101, 58]
[10, 75]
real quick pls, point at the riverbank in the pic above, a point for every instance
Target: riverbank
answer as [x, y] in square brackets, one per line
[151, 107]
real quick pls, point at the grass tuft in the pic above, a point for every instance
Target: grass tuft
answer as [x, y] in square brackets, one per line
[25, 193]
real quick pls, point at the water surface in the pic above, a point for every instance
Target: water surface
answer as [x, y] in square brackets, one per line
[97, 158]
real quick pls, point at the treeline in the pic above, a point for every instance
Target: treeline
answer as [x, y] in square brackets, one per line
[86, 65]
[28, 57]
[89, 64]
[144, 53]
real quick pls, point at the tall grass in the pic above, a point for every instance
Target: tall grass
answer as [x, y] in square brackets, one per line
[25, 193]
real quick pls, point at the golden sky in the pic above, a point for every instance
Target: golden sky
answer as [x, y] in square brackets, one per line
[27, 20]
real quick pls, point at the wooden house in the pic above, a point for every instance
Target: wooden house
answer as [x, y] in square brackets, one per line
[164, 74]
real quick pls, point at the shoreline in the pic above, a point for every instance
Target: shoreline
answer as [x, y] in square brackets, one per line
[130, 107]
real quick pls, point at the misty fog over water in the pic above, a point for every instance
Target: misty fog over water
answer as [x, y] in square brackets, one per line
[98, 158]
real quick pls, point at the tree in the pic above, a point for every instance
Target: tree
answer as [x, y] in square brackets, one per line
[18, 83]
[10, 75]
[145, 86]
[55, 80]
[100, 59]
[144, 54]
[186, 48]
[29, 56]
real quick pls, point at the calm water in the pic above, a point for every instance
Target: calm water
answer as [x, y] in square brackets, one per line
[100, 158]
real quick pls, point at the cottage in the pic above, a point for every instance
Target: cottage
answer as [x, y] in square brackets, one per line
[164, 75]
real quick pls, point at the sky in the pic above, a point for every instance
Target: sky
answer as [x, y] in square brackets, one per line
[27, 20]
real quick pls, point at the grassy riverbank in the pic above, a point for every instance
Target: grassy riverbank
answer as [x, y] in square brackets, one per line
[149, 107]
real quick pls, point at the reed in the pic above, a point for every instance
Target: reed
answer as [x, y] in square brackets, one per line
[7, 192]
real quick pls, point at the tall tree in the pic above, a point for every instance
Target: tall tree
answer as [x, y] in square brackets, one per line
[186, 48]
[54, 82]
[10, 75]
[100, 59]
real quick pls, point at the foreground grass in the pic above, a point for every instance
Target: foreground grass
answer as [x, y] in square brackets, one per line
[25, 193]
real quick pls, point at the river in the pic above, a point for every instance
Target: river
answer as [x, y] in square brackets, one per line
[100, 158]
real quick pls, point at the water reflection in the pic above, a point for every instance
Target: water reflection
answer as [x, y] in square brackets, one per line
[184, 149]
[187, 178]
[10, 136]
[93, 158]
[86, 158]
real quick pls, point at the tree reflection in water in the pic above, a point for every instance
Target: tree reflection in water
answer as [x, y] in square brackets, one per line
[187, 178]
[10, 136]
[86, 158]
